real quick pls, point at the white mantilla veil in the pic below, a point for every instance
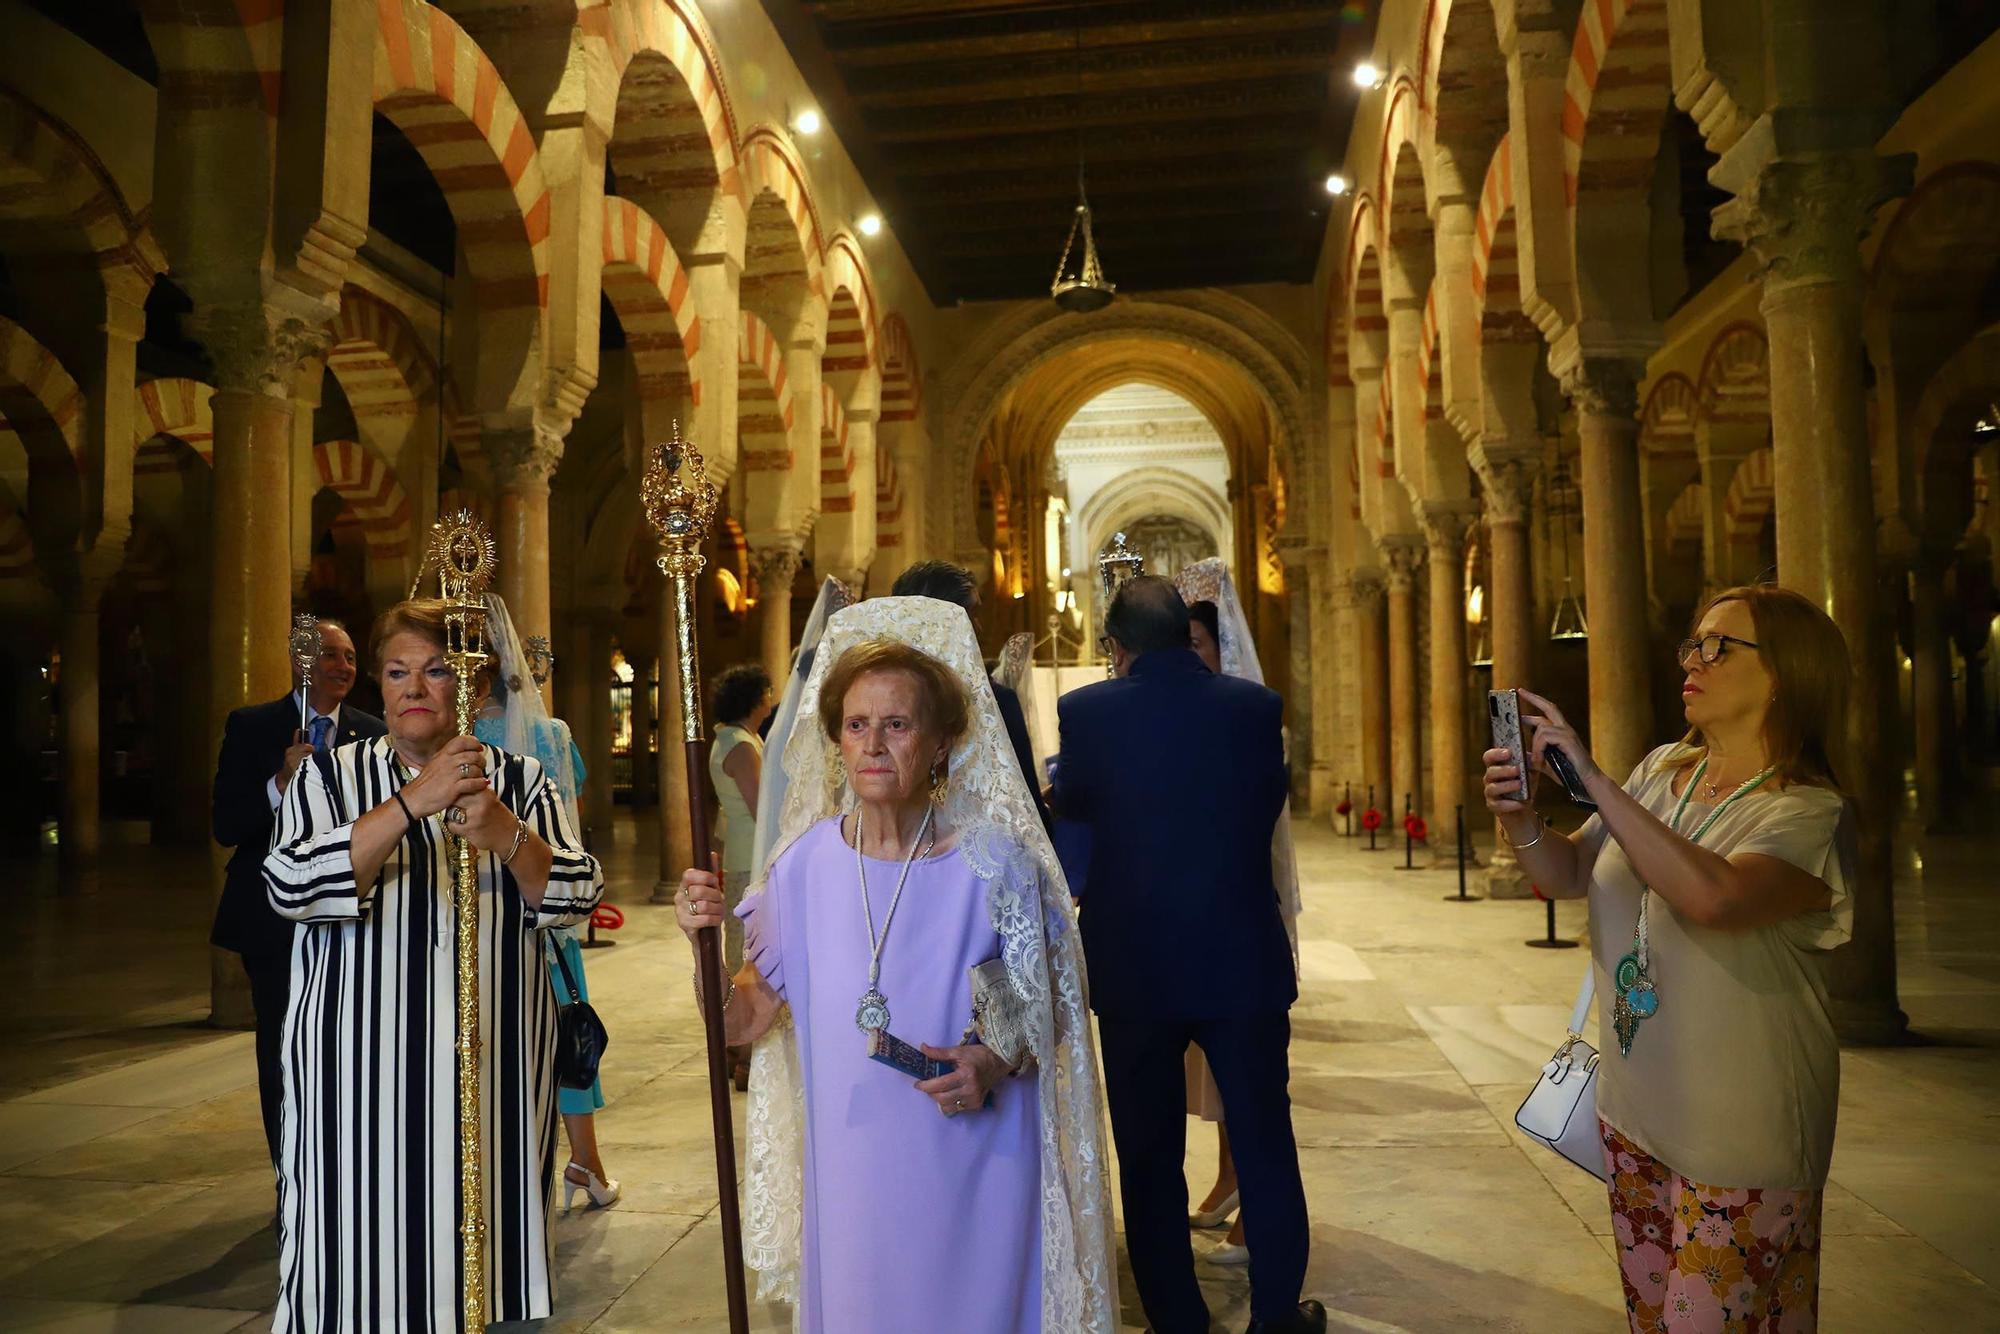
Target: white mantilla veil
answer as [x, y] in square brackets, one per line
[1209, 581]
[529, 727]
[988, 807]
[1017, 672]
[773, 781]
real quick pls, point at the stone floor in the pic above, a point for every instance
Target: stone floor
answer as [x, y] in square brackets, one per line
[134, 1198]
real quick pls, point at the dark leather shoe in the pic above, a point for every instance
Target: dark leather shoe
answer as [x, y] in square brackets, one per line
[1310, 1318]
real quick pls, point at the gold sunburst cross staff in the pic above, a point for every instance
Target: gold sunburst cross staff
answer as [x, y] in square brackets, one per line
[680, 504]
[463, 554]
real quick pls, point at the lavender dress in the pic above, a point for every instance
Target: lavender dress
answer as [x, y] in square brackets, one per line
[913, 1221]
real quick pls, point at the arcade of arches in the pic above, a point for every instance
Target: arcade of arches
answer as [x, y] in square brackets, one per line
[1623, 301]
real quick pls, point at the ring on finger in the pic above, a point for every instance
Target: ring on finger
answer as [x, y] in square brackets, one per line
[454, 815]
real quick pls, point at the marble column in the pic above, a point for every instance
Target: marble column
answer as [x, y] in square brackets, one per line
[644, 718]
[595, 665]
[676, 832]
[1802, 214]
[1507, 480]
[1324, 653]
[250, 603]
[524, 458]
[1298, 690]
[1930, 694]
[1605, 394]
[1451, 748]
[775, 568]
[1370, 613]
[1402, 553]
[80, 828]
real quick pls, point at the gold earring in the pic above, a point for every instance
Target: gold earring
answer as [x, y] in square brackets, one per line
[940, 782]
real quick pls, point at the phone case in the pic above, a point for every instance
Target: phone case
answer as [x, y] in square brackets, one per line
[1503, 708]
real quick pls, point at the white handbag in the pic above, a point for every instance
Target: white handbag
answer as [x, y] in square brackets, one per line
[1561, 1110]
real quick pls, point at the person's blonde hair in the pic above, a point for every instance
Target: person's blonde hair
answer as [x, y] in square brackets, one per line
[940, 698]
[1810, 672]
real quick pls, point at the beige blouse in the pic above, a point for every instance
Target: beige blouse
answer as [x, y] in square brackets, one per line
[1735, 1081]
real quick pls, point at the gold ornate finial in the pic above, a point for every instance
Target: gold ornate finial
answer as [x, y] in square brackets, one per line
[306, 644]
[680, 503]
[1119, 563]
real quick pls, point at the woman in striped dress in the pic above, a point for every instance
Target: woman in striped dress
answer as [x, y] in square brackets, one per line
[369, 1164]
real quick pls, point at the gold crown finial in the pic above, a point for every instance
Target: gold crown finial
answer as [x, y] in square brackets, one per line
[680, 503]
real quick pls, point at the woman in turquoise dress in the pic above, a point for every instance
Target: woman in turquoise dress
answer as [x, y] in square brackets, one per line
[513, 717]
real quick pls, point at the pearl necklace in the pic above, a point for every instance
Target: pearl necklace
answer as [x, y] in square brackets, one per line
[872, 1014]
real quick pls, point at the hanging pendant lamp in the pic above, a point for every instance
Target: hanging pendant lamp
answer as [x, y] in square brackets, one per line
[1569, 624]
[1086, 290]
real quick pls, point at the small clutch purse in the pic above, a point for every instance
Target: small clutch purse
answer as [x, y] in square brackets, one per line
[999, 1014]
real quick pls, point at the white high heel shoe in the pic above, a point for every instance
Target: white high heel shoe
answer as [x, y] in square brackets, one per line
[601, 1193]
[1228, 1256]
[1217, 1216]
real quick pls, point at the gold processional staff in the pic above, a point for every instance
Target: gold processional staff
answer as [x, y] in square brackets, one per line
[463, 554]
[680, 504]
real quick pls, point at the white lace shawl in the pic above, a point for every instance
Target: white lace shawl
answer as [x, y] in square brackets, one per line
[771, 782]
[1209, 581]
[1017, 672]
[1002, 839]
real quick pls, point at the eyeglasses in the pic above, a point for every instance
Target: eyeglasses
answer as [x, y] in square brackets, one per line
[1710, 647]
[1104, 645]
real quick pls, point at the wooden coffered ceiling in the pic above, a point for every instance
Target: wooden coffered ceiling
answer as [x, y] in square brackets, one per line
[1209, 127]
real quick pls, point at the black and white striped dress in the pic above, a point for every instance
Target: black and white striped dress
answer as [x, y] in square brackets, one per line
[368, 1163]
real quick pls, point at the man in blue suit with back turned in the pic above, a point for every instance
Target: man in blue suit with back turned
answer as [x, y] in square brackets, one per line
[1180, 775]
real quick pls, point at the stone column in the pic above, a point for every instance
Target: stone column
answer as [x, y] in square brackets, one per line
[1802, 215]
[1298, 692]
[255, 353]
[775, 567]
[80, 829]
[523, 459]
[595, 663]
[1451, 750]
[639, 656]
[676, 833]
[1930, 691]
[1507, 479]
[1325, 651]
[1374, 678]
[1605, 393]
[1402, 553]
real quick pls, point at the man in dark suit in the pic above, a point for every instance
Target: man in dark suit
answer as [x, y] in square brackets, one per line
[1180, 775]
[951, 583]
[263, 746]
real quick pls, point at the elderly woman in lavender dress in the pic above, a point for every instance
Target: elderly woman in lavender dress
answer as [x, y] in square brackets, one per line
[910, 853]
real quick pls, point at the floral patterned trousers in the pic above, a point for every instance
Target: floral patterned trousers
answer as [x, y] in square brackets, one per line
[1699, 1259]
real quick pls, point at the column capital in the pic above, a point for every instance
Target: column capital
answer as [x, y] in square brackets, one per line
[257, 349]
[1365, 589]
[1507, 479]
[1605, 386]
[523, 457]
[1802, 211]
[1445, 524]
[776, 565]
[1403, 553]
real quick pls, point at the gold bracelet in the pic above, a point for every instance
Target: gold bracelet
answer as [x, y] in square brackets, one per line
[1540, 829]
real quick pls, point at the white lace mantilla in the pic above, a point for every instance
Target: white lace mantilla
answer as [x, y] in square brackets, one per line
[990, 810]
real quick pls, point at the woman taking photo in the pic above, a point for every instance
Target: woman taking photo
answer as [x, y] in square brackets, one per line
[975, 1198]
[1714, 875]
[368, 1162]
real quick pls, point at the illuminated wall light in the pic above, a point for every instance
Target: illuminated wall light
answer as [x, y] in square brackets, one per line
[1367, 75]
[1336, 184]
[870, 224]
[806, 122]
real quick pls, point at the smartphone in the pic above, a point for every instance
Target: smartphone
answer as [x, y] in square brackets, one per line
[1565, 771]
[1503, 710]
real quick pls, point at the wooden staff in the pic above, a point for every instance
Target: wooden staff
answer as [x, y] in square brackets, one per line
[680, 504]
[463, 554]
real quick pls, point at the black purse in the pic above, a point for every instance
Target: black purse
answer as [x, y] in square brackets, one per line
[580, 1035]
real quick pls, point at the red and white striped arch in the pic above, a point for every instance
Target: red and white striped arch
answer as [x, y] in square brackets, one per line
[888, 501]
[1666, 422]
[1490, 229]
[836, 455]
[646, 285]
[42, 406]
[1684, 522]
[850, 316]
[1749, 500]
[1735, 382]
[441, 91]
[685, 147]
[379, 361]
[1615, 95]
[784, 232]
[902, 375]
[370, 489]
[763, 399]
[166, 411]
